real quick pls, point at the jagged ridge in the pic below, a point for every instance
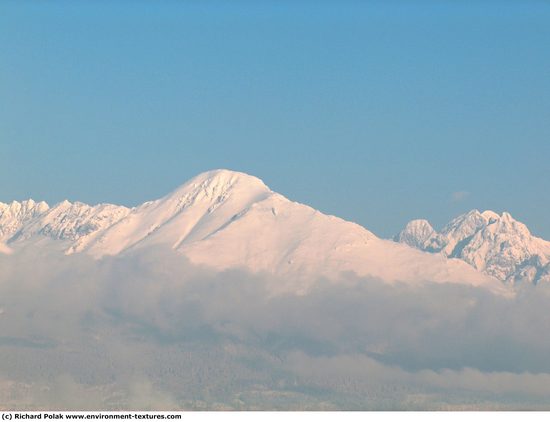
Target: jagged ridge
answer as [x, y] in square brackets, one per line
[495, 244]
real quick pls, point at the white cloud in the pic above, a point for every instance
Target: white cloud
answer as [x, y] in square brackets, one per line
[459, 196]
[114, 330]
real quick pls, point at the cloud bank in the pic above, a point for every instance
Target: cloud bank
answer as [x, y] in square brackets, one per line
[83, 334]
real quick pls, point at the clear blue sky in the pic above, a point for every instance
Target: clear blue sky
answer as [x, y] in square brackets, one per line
[378, 112]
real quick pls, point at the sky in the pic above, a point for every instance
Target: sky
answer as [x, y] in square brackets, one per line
[378, 112]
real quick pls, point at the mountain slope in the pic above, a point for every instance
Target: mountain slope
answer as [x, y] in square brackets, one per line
[193, 211]
[225, 219]
[15, 215]
[495, 244]
[68, 223]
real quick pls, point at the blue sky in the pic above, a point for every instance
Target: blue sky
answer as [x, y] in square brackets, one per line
[378, 112]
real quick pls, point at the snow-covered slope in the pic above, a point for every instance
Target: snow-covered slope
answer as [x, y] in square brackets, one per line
[72, 221]
[190, 213]
[495, 244]
[15, 215]
[225, 219]
[421, 235]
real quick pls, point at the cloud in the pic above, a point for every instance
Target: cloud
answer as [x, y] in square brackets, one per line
[151, 324]
[459, 196]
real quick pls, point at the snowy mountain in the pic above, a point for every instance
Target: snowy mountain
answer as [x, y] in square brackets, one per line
[225, 219]
[13, 216]
[495, 244]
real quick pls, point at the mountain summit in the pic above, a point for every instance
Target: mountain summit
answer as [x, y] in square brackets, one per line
[497, 245]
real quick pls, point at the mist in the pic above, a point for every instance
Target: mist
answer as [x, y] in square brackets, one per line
[149, 330]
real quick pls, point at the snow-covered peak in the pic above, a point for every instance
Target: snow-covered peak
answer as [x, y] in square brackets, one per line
[14, 215]
[213, 188]
[461, 228]
[490, 216]
[22, 208]
[190, 212]
[64, 221]
[496, 244]
[221, 180]
[417, 233]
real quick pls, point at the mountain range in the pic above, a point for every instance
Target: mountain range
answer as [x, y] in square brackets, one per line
[224, 219]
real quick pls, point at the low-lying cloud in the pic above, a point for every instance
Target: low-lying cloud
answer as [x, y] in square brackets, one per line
[80, 333]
